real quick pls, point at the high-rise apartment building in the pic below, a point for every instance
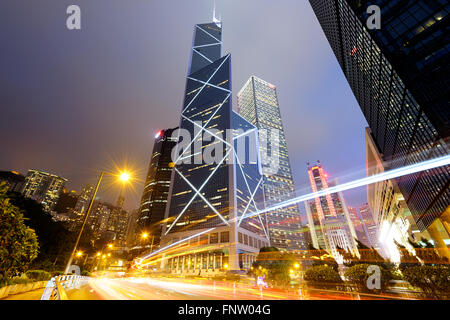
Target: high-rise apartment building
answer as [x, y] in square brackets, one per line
[156, 189]
[328, 216]
[258, 104]
[84, 199]
[13, 180]
[43, 187]
[108, 222]
[211, 199]
[399, 76]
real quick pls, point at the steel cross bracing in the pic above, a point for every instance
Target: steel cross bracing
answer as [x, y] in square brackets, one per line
[230, 149]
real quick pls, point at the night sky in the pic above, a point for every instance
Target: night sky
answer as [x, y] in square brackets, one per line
[75, 102]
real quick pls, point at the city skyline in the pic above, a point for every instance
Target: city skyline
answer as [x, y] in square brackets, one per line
[225, 150]
[84, 154]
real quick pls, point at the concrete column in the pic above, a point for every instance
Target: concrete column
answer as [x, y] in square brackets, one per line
[438, 240]
[445, 219]
[214, 261]
[233, 258]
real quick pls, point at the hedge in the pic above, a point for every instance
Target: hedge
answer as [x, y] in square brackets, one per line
[322, 274]
[432, 280]
[39, 275]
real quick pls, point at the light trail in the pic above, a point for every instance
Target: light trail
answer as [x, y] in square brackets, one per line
[174, 244]
[387, 175]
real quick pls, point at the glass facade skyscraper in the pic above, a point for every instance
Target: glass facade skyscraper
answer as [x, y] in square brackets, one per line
[258, 103]
[399, 76]
[213, 196]
[156, 189]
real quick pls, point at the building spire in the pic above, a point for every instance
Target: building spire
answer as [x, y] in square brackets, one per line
[215, 19]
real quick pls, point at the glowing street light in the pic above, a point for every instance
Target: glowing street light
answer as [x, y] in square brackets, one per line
[79, 253]
[110, 246]
[225, 266]
[98, 254]
[144, 235]
[296, 265]
[124, 177]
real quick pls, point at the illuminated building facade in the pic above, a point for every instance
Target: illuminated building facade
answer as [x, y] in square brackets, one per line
[391, 214]
[108, 222]
[156, 189]
[364, 224]
[258, 103]
[43, 187]
[399, 76]
[369, 226]
[212, 197]
[327, 214]
[83, 199]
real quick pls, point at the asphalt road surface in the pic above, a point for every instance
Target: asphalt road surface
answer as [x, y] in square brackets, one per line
[192, 289]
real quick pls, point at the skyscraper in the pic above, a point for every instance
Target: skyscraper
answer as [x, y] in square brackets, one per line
[390, 212]
[43, 187]
[258, 104]
[328, 217]
[369, 226]
[156, 189]
[365, 227]
[212, 197]
[399, 76]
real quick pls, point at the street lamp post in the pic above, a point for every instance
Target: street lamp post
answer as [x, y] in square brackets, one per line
[124, 177]
[84, 222]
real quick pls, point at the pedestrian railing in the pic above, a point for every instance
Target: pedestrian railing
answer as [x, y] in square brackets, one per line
[57, 286]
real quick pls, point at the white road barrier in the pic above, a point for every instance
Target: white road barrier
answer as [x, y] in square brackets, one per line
[57, 286]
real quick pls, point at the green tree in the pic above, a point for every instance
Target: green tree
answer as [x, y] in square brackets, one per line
[18, 243]
[55, 241]
[273, 263]
[433, 280]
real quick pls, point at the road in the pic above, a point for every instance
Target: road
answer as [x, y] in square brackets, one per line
[191, 289]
